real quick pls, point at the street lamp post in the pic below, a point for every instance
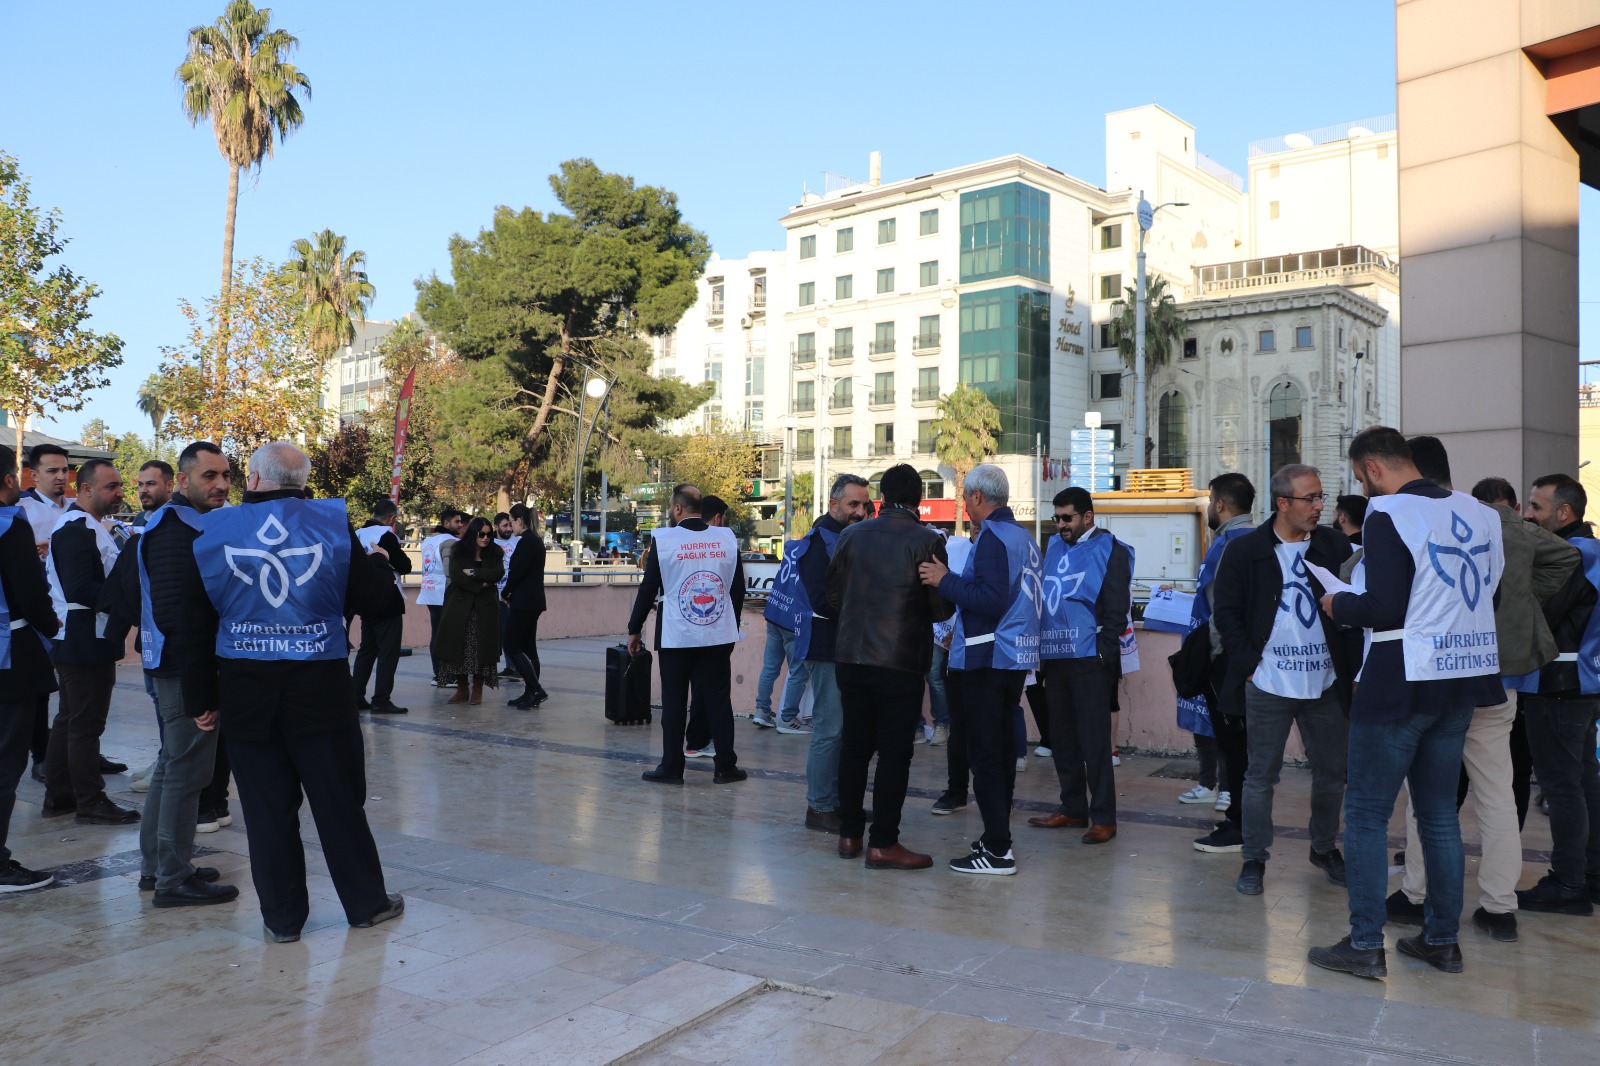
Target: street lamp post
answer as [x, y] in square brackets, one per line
[1141, 429]
[598, 388]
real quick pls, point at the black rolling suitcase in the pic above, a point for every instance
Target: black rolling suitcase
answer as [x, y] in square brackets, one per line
[627, 686]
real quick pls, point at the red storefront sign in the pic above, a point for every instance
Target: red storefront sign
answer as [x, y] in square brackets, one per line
[937, 510]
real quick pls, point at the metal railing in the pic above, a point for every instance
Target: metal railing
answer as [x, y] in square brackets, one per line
[758, 301]
[881, 397]
[926, 342]
[881, 349]
[805, 357]
[882, 447]
[841, 353]
[925, 393]
[841, 403]
[805, 454]
[805, 406]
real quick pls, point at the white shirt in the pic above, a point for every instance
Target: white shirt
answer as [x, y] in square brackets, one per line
[1295, 663]
[42, 514]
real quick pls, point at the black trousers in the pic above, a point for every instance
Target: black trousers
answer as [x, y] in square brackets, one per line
[1213, 765]
[329, 770]
[214, 797]
[16, 732]
[1233, 744]
[522, 634]
[881, 708]
[40, 717]
[992, 697]
[1080, 727]
[380, 647]
[1039, 707]
[435, 610]
[72, 763]
[956, 750]
[707, 674]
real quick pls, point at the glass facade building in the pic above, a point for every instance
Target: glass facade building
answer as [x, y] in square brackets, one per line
[1005, 352]
[1005, 232]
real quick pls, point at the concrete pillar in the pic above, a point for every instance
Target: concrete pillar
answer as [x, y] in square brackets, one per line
[1488, 243]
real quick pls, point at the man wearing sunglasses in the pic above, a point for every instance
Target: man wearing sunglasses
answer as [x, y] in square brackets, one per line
[1280, 670]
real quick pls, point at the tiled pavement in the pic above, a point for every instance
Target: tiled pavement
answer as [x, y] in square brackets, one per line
[561, 911]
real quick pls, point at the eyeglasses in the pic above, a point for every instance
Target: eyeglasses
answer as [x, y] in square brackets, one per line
[1060, 518]
[483, 535]
[1320, 497]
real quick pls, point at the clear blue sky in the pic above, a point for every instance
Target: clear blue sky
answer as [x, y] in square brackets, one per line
[425, 116]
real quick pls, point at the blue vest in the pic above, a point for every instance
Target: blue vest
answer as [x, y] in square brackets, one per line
[276, 573]
[1016, 636]
[788, 606]
[1072, 580]
[151, 639]
[1208, 572]
[1589, 647]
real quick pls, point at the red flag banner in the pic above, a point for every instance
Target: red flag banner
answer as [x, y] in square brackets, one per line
[402, 419]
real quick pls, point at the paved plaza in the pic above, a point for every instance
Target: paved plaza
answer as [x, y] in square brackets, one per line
[559, 910]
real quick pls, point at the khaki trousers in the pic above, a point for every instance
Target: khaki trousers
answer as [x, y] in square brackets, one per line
[1487, 755]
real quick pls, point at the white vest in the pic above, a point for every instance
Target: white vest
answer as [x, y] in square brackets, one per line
[1458, 557]
[433, 575]
[1295, 663]
[108, 558]
[42, 515]
[508, 546]
[697, 572]
[369, 537]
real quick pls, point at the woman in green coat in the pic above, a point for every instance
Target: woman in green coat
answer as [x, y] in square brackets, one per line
[468, 643]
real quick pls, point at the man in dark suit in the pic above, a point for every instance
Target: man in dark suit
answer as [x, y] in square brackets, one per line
[25, 673]
[380, 633]
[525, 600]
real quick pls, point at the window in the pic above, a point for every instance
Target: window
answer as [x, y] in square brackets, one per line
[1110, 286]
[1302, 336]
[927, 385]
[1005, 231]
[928, 331]
[1116, 433]
[808, 247]
[1340, 336]
[883, 438]
[928, 274]
[716, 299]
[805, 443]
[844, 286]
[886, 231]
[1172, 451]
[1225, 346]
[714, 375]
[843, 395]
[758, 292]
[1191, 348]
[1110, 383]
[886, 280]
[928, 223]
[844, 345]
[925, 436]
[805, 397]
[843, 443]
[808, 293]
[347, 405]
[1106, 340]
[932, 484]
[1383, 151]
[755, 415]
[1283, 425]
[755, 376]
[845, 240]
[1111, 236]
[805, 349]
[883, 388]
[883, 338]
[1272, 209]
[349, 369]
[1272, 171]
[1005, 353]
[1267, 341]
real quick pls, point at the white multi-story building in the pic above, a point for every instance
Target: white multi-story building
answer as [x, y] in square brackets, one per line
[356, 377]
[1338, 185]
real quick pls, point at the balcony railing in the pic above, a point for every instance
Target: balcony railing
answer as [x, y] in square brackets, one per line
[805, 406]
[881, 350]
[805, 454]
[925, 394]
[841, 403]
[841, 353]
[714, 311]
[758, 301]
[805, 357]
[882, 447]
[882, 398]
[922, 447]
[927, 343]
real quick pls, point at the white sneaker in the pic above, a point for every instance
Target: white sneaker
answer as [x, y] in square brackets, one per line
[1198, 794]
[941, 735]
[707, 752]
[1022, 764]
[141, 774]
[1224, 801]
[764, 719]
[1043, 752]
[140, 784]
[793, 728]
[1116, 757]
[210, 826]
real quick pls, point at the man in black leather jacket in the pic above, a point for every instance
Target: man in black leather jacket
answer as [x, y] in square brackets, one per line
[884, 614]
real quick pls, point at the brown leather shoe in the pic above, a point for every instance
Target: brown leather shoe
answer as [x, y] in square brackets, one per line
[1058, 821]
[477, 692]
[461, 693]
[1099, 834]
[898, 857]
[822, 821]
[849, 847]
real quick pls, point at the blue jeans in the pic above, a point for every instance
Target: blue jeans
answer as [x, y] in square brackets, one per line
[938, 700]
[1426, 750]
[827, 725]
[150, 690]
[780, 650]
[188, 759]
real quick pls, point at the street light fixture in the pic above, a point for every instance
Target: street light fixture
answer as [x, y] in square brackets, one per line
[1147, 216]
[597, 386]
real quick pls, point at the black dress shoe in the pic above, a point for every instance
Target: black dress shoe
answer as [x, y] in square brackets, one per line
[1443, 957]
[1401, 910]
[388, 708]
[822, 821]
[1346, 958]
[661, 777]
[111, 766]
[38, 771]
[1330, 862]
[729, 777]
[193, 892]
[362, 704]
[147, 882]
[396, 907]
[106, 813]
[55, 805]
[1503, 927]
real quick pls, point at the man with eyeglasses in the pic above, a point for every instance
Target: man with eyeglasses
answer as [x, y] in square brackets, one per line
[1280, 669]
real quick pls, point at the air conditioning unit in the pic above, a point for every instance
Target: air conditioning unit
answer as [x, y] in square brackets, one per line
[745, 322]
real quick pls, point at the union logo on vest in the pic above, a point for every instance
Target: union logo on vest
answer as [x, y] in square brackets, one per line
[1470, 589]
[702, 597]
[274, 576]
[1305, 604]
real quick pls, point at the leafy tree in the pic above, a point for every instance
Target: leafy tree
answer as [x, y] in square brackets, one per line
[95, 434]
[720, 463]
[800, 522]
[334, 284]
[1163, 334]
[235, 74]
[266, 386]
[153, 401]
[964, 435]
[537, 297]
[49, 359]
[340, 460]
[130, 451]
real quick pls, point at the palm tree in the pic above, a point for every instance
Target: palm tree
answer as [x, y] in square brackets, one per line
[965, 434]
[152, 401]
[235, 75]
[1163, 334]
[335, 287]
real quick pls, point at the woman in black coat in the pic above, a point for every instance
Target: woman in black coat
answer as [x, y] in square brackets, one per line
[468, 642]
